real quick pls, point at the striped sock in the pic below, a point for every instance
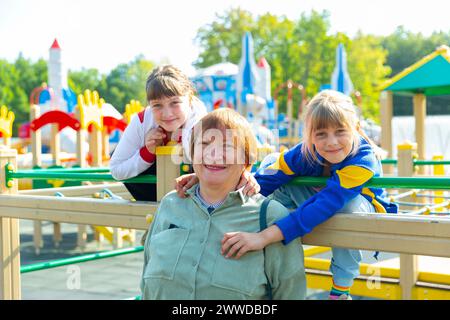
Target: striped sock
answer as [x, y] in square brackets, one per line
[337, 291]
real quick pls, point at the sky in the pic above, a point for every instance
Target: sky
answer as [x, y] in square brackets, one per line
[104, 33]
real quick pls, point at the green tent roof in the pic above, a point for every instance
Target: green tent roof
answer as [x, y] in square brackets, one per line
[430, 76]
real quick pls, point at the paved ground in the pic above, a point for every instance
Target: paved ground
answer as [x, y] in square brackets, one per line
[112, 278]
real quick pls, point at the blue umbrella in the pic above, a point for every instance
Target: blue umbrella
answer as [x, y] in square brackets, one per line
[340, 80]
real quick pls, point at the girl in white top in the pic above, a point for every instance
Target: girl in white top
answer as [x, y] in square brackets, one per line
[172, 112]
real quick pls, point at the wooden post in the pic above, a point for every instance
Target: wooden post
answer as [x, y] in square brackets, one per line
[56, 156]
[95, 147]
[99, 237]
[117, 238]
[81, 149]
[9, 235]
[36, 138]
[57, 234]
[55, 145]
[409, 271]
[81, 156]
[405, 155]
[105, 146]
[438, 170]
[167, 170]
[420, 113]
[386, 113]
[36, 150]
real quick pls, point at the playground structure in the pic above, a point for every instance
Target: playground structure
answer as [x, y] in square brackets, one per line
[426, 77]
[424, 230]
[6, 124]
[90, 120]
[59, 120]
[409, 234]
[53, 123]
[244, 87]
[238, 86]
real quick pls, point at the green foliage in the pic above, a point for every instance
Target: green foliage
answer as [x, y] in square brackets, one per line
[127, 82]
[228, 28]
[368, 71]
[16, 83]
[84, 79]
[124, 83]
[405, 47]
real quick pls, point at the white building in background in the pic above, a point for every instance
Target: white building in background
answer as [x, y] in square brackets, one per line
[437, 131]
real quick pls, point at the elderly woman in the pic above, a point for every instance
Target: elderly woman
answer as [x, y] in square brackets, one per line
[182, 250]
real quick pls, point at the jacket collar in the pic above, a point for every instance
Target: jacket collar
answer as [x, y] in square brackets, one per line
[237, 194]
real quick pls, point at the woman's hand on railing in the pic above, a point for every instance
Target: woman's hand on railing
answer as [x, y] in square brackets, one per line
[248, 181]
[184, 183]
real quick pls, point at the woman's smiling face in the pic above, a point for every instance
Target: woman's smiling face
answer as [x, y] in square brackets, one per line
[216, 161]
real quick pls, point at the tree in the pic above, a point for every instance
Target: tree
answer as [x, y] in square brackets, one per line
[126, 82]
[368, 71]
[405, 47]
[226, 32]
[302, 51]
[84, 79]
[16, 83]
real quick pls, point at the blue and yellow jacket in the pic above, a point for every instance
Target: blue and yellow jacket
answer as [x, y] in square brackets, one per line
[345, 183]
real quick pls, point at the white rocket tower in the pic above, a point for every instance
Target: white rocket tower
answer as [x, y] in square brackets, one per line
[57, 77]
[248, 77]
[340, 79]
[263, 87]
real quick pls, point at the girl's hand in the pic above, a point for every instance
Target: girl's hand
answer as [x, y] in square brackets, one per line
[185, 182]
[238, 243]
[154, 138]
[251, 186]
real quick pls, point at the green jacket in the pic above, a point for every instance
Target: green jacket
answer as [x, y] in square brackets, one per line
[183, 259]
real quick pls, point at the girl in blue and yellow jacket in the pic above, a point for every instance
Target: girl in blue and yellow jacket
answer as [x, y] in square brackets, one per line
[333, 145]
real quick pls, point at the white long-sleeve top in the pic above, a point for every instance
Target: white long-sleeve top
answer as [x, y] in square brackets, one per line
[131, 157]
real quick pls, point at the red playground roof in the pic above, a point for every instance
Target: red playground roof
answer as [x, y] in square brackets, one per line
[55, 45]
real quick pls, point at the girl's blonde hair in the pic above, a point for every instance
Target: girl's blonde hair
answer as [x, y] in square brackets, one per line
[168, 81]
[329, 108]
